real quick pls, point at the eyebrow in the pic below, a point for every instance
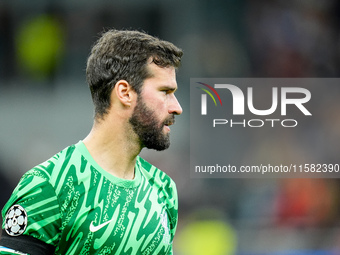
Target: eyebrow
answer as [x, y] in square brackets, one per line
[169, 87]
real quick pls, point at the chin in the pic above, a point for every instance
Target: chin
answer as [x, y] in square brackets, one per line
[159, 147]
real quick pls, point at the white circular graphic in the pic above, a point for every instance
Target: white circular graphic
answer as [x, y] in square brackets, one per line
[16, 220]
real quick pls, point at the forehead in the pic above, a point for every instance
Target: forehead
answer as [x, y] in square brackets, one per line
[161, 75]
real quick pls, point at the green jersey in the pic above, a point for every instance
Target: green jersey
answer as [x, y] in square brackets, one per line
[71, 203]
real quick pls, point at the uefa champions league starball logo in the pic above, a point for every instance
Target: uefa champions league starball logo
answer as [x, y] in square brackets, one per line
[16, 220]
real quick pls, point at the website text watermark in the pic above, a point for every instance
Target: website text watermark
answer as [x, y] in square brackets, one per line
[268, 168]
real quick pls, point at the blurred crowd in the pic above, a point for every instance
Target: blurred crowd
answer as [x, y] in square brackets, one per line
[43, 50]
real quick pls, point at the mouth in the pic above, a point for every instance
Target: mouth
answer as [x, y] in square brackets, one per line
[169, 122]
[167, 128]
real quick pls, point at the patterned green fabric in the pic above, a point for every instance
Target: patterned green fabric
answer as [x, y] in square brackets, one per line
[73, 204]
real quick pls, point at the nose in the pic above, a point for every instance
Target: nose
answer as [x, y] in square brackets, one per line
[174, 106]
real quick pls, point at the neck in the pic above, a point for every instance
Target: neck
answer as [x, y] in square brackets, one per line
[113, 148]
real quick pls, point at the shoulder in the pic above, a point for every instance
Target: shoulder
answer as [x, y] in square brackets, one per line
[160, 180]
[37, 196]
[154, 174]
[166, 190]
[38, 184]
[57, 162]
[53, 168]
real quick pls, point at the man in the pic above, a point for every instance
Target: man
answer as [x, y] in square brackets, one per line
[98, 196]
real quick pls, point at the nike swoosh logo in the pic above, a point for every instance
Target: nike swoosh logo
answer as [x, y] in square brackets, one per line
[94, 228]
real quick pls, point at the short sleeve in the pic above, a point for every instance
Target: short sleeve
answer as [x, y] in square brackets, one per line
[33, 210]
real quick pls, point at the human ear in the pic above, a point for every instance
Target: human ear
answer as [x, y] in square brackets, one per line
[125, 93]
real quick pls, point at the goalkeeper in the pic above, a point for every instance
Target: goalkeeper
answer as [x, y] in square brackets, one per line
[98, 196]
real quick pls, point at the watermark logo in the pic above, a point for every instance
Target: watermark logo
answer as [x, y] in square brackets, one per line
[264, 127]
[204, 97]
[280, 98]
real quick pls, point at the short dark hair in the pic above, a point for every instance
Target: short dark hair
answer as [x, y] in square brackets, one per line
[123, 55]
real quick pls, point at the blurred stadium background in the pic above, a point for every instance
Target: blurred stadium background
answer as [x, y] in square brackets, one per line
[45, 105]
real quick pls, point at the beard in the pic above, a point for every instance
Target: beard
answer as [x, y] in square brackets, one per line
[149, 128]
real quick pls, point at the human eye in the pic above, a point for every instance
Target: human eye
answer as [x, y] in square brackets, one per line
[167, 90]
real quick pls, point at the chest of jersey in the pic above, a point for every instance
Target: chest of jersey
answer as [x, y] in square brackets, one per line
[99, 217]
